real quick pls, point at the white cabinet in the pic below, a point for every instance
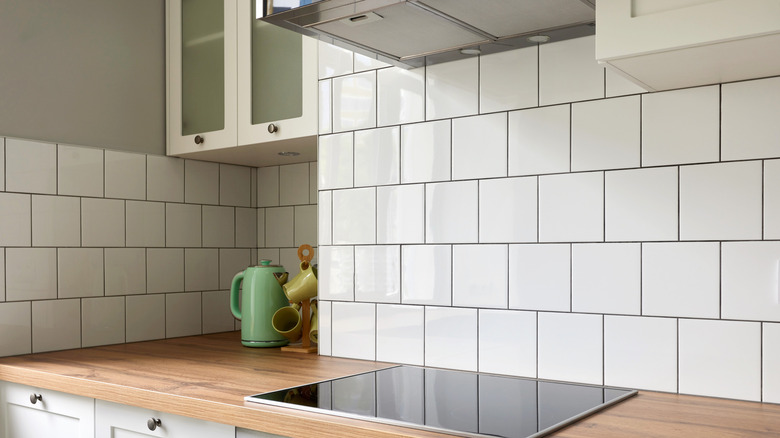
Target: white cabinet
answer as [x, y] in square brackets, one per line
[53, 414]
[246, 433]
[666, 44]
[119, 421]
[239, 90]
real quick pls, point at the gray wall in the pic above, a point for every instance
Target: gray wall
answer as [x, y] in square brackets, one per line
[86, 72]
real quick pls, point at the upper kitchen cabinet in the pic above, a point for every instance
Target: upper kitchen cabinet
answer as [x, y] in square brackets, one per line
[240, 91]
[667, 44]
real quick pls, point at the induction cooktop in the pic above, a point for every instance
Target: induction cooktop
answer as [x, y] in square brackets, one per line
[459, 403]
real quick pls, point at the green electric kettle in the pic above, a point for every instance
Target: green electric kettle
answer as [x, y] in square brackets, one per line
[261, 297]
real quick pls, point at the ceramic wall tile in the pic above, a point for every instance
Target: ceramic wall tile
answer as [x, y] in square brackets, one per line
[354, 216]
[569, 338]
[279, 227]
[145, 317]
[294, 184]
[400, 96]
[268, 254]
[324, 218]
[201, 182]
[325, 322]
[246, 227]
[15, 228]
[707, 364]
[617, 85]
[164, 270]
[102, 321]
[377, 156]
[400, 214]
[508, 210]
[30, 166]
[354, 102]
[260, 227]
[313, 179]
[219, 226]
[336, 273]
[268, 186]
[216, 312]
[641, 204]
[720, 201]
[539, 140]
[451, 338]
[378, 274]
[750, 272]
[540, 277]
[183, 314]
[445, 201]
[164, 178]
[425, 152]
[363, 63]
[750, 111]
[325, 107]
[606, 278]
[507, 342]
[231, 262]
[102, 222]
[605, 134]
[183, 225]
[15, 328]
[79, 171]
[56, 325]
[289, 259]
[335, 161]
[681, 126]
[201, 269]
[568, 71]
[681, 279]
[509, 80]
[479, 276]
[426, 275]
[2, 164]
[640, 353]
[479, 146]
[770, 362]
[79, 272]
[452, 89]
[305, 225]
[30, 274]
[145, 223]
[571, 207]
[125, 271]
[354, 330]
[235, 185]
[333, 60]
[125, 175]
[400, 334]
[2, 275]
[772, 199]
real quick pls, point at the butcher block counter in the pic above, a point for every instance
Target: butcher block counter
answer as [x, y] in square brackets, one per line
[207, 377]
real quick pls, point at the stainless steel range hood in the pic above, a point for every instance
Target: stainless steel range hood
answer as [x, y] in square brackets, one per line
[412, 33]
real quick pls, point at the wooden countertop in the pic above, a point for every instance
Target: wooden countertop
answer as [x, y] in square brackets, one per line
[208, 376]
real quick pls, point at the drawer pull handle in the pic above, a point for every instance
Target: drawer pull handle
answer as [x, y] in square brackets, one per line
[272, 128]
[153, 423]
[199, 139]
[35, 398]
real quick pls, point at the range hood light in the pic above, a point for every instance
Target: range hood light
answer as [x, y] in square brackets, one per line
[540, 39]
[289, 154]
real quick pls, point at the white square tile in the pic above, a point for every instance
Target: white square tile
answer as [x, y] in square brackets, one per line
[325, 107]
[325, 323]
[401, 214]
[771, 363]
[15, 228]
[164, 178]
[640, 353]
[400, 96]
[2, 164]
[426, 275]
[324, 214]
[30, 166]
[571, 207]
[378, 274]
[2, 275]
[565, 339]
[15, 328]
[219, 226]
[333, 60]
[260, 227]
[540, 277]
[400, 334]
[125, 175]
[425, 152]
[79, 171]
[452, 89]
[201, 269]
[641, 204]
[508, 80]
[279, 227]
[102, 222]
[336, 273]
[750, 281]
[294, 184]
[30, 274]
[56, 325]
[268, 186]
[102, 321]
[267, 254]
[470, 286]
[377, 156]
[568, 71]
[80, 272]
[125, 271]
[451, 338]
[363, 63]
[617, 85]
[681, 279]
[246, 227]
[231, 262]
[216, 312]
[606, 278]
[605, 134]
[354, 330]
[539, 140]
[507, 210]
[681, 126]
[443, 203]
[313, 180]
[183, 314]
[507, 342]
[750, 111]
[145, 223]
[201, 182]
[164, 270]
[354, 102]
[720, 358]
[479, 146]
[354, 216]
[235, 185]
[145, 317]
[335, 161]
[182, 225]
[305, 225]
[56, 220]
[720, 201]
[772, 199]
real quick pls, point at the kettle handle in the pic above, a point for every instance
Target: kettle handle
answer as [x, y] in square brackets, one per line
[234, 294]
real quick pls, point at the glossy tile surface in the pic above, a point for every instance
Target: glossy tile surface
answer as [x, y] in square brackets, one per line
[335, 161]
[540, 277]
[102, 222]
[246, 227]
[508, 210]
[479, 276]
[182, 314]
[400, 96]
[605, 278]
[354, 330]
[268, 186]
[400, 334]
[30, 274]
[772, 199]
[325, 331]
[508, 80]
[771, 362]
[567, 338]
[164, 179]
[425, 152]
[216, 312]
[605, 134]
[426, 274]
[79, 171]
[15, 328]
[80, 272]
[333, 60]
[539, 140]
[15, 228]
[354, 102]
[125, 271]
[452, 89]
[325, 218]
[507, 342]
[235, 183]
[325, 108]
[640, 353]
[354, 216]
[451, 338]
[336, 279]
[219, 226]
[145, 316]
[479, 146]
[377, 156]
[641, 204]
[294, 184]
[400, 214]
[201, 182]
[125, 175]
[201, 269]
[164, 270]
[445, 201]
[231, 262]
[568, 72]
[571, 207]
[183, 225]
[102, 321]
[56, 325]
[750, 111]
[305, 225]
[750, 281]
[30, 166]
[145, 224]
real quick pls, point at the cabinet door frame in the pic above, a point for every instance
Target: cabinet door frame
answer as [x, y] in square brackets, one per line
[55, 402]
[109, 415]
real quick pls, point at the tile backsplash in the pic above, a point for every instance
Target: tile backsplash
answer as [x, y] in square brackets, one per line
[529, 213]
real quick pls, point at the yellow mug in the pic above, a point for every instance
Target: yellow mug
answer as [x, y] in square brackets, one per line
[303, 286]
[287, 322]
[314, 330]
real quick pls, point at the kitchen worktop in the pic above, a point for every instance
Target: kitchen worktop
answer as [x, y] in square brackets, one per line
[207, 377]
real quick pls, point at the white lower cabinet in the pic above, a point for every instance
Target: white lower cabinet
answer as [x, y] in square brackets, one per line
[246, 433]
[120, 421]
[53, 414]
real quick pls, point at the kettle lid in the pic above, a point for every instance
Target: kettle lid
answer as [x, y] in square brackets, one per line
[266, 263]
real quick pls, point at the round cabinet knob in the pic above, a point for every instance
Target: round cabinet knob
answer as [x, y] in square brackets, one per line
[272, 128]
[35, 398]
[199, 139]
[153, 423]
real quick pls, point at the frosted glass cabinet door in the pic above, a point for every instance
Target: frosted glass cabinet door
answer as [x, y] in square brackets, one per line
[113, 420]
[55, 414]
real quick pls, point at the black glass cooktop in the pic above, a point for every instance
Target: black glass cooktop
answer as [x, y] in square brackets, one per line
[455, 402]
